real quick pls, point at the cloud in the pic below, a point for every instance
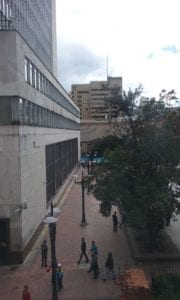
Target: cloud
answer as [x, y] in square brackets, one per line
[140, 42]
[171, 48]
[77, 64]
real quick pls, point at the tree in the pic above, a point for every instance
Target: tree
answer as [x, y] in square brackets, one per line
[141, 174]
[105, 144]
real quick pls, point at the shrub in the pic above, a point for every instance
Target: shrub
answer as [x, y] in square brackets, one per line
[166, 287]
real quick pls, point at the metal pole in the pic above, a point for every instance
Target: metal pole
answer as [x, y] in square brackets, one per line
[52, 229]
[83, 222]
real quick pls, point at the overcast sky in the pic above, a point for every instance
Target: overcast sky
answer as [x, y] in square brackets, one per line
[140, 37]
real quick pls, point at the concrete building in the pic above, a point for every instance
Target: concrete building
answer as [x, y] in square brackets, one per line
[91, 98]
[39, 124]
[91, 132]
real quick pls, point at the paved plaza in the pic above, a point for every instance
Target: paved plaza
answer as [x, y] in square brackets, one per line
[78, 283]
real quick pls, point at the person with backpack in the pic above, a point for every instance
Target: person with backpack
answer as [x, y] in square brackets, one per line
[94, 249]
[94, 266]
[59, 277]
[109, 266]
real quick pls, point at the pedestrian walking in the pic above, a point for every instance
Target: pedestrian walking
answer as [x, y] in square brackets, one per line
[44, 252]
[94, 266]
[26, 294]
[115, 221]
[59, 277]
[94, 249]
[109, 267]
[83, 251]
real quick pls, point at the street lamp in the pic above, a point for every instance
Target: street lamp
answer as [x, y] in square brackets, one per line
[51, 221]
[83, 220]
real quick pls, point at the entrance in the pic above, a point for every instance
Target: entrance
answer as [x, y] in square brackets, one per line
[4, 241]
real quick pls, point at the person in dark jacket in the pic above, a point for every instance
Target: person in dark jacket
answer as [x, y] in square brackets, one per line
[83, 251]
[109, 265]
[115, 221]
[94, 266]
[44, 252]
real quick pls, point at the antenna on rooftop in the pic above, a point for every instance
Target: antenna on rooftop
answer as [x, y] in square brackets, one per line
[107, 62]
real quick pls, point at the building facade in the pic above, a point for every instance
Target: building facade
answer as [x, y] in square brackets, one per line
[91, 131]
[39, 124]
[91, 98]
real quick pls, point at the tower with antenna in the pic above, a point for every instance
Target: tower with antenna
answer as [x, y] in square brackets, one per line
[107, 66]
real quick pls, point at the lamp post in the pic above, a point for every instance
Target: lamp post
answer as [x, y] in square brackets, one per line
[51, 221]
[83, 221]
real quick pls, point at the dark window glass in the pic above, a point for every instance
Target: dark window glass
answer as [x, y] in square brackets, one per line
[60, 160]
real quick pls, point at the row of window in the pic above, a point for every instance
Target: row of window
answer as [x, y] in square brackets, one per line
[32, 23]
[37, 80]
[20, 111]
[6, 8]
[5, 14]
[60, 160]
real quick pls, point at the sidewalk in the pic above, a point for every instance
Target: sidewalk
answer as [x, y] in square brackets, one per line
[78, 284]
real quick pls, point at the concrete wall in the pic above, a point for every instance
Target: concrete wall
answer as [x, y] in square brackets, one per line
[33, 173]
[23, 178]
[10, 182]
[8, 64]
[91, 131]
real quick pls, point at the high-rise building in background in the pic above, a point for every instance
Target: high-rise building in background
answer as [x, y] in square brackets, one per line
[39, 124]
[91, 98]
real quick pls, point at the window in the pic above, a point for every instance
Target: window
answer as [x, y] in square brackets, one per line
[26, 70]
[3, 6]
[43, 84]
[39, 81]
[7, 10]
[10, 11]
[27, 111]
[35, 78]
[21, 110]
[60, 160]
[31, 74]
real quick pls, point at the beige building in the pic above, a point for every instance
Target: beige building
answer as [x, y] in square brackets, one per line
[91, 132]
[91, 98]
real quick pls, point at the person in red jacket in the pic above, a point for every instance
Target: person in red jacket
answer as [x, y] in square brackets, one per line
[26, 294]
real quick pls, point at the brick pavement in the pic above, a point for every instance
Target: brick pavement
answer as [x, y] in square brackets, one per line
[78, 284]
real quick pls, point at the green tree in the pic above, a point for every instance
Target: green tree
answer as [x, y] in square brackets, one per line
[141, 174]
[105, 144]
